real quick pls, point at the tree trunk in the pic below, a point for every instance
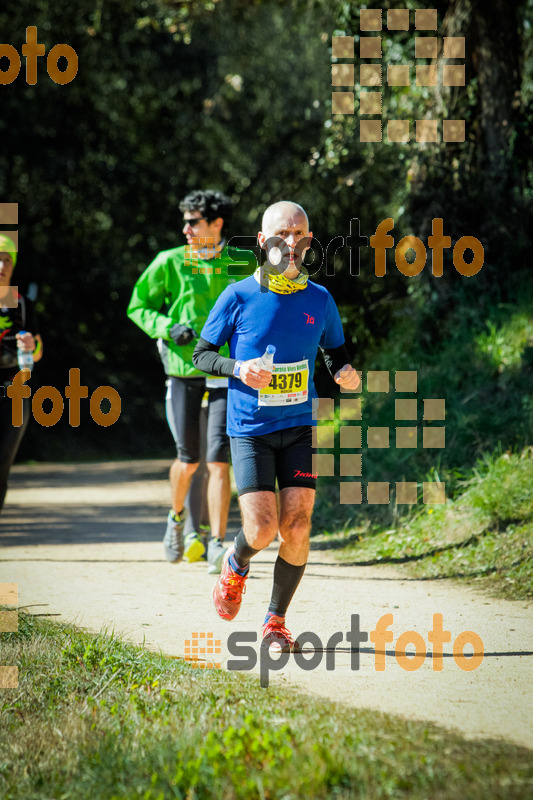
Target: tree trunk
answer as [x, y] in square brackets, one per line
[493, 55]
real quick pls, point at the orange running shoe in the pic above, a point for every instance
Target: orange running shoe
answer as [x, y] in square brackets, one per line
[278, 637]
[229, 589]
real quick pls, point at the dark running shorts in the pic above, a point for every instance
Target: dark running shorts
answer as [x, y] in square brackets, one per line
[285, 455]
[183, 407]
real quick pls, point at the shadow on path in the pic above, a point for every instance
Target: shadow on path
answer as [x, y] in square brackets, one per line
[54, 514]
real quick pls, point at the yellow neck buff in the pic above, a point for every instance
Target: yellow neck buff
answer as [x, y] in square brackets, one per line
[271, 279]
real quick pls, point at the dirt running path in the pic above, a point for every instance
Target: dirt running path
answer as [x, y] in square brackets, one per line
[84, 543]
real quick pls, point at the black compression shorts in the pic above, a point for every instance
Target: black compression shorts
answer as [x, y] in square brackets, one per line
[183, 406]
[285, 455]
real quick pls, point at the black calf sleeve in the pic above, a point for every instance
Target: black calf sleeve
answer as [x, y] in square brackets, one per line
[286, 579]
[243, 551]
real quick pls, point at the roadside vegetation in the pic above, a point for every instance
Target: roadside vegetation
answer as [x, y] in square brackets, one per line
[483, 371]
[94, 717]
[485, 534]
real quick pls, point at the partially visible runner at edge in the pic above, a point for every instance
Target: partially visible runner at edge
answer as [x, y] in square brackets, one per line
[270, 428]
[18, 328]
[170, 302]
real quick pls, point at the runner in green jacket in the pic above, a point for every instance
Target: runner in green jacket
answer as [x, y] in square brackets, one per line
[171, 302]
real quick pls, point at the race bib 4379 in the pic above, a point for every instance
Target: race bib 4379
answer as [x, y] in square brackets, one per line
[289, 385]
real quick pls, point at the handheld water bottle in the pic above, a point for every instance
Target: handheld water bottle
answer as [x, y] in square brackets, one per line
[24, 358]
[266, 362]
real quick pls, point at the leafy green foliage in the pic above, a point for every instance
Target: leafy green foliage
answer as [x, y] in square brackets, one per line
[477, 358]
[237, 95]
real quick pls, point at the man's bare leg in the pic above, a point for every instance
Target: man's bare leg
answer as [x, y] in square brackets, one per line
[196, 498]
[259, 518]
[260, 521]
[196, 501]
[180, 480]
[173, 541]
[218, 500]
[260, 526]
[296, 508]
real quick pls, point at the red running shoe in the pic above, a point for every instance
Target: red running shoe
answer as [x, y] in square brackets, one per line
[229, 589]
[278, 637]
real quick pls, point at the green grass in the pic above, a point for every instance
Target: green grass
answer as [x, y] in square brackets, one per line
[484, 534]
[94, 717]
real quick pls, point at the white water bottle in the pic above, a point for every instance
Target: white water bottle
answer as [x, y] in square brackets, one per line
[24, 357]
[266, 361]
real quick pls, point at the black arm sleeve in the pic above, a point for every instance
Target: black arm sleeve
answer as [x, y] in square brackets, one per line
[206, 359]
[335, 358]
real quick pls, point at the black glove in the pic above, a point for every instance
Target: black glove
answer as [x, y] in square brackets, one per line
[182, 334]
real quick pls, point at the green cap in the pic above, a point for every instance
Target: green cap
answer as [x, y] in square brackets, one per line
[7, 245]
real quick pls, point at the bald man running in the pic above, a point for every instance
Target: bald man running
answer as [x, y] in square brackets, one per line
[270, 415]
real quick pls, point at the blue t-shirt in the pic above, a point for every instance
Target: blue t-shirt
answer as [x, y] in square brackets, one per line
[297, 324]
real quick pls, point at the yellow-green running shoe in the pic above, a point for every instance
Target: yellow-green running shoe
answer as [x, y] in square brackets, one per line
[194, 548]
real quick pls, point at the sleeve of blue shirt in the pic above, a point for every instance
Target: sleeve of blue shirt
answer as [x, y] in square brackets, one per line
[332, 335]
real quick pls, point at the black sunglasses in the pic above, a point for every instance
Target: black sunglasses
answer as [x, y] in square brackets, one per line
[193, 222]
